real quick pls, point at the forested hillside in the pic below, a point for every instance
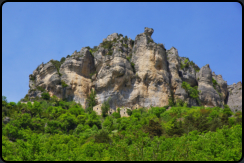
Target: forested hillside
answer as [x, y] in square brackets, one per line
[54, 130]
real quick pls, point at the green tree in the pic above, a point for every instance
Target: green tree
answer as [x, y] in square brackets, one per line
[25, 120]
[227, 110]
[53, 127]
[12, 104]
[158, 110]
[93, 119]
[154, 129]
[36, 109]
[68, 120]
[91, 101]
[62, 60]
[45, 95]
[171, 99]
[107, 124]
[76, 110]
[4, 98]
[129, 112]
[64, 84]
[105, 107]
[12, 130]
[102, 137]
[116, 115]
[82, 119]
[192, 91]
[214, 83]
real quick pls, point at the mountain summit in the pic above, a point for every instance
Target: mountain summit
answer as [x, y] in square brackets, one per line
[133, 72]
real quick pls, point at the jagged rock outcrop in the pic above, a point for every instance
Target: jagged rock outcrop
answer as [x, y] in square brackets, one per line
[131, 72]
[221, 87]
[152, 78]
[188, 73]
[234, 100]
[179, 73]
[45, 76]
[145, 83]
[76, 72]
[208, 95]
[174, 67]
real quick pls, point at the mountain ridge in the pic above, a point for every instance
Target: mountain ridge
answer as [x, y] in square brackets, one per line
[133, 72]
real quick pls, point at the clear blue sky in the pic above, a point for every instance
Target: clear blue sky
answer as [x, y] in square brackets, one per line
[34, 32]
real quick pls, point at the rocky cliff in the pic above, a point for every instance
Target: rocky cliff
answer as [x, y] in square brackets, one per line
[132, 72]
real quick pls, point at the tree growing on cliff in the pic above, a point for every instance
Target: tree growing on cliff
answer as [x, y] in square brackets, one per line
[171, 99]
[105, 107]
[91, 101]
[45, 95]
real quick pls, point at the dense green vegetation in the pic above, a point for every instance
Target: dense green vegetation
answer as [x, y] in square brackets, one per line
[52, 129]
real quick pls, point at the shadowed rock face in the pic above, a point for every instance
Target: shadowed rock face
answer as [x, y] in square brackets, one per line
[221, 87]
[131, 72]
[235, 97]
[208, 95]
[175, 79]
[188, 74]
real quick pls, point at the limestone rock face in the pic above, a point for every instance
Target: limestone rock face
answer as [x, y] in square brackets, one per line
[188, 74]
[151, 86]
[176, 81]
[46, 77]
[208, 95]
[234, 100]
[148, 31]
[178, 75]
[221, 87]
[76, 72]
[111, 37]
[131, 73]
[147, 84]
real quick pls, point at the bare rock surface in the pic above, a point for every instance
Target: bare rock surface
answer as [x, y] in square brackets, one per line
[221, 87]
[234, 100]
[131, 73]
[175, 79]
[76, 74]
[208, 95]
